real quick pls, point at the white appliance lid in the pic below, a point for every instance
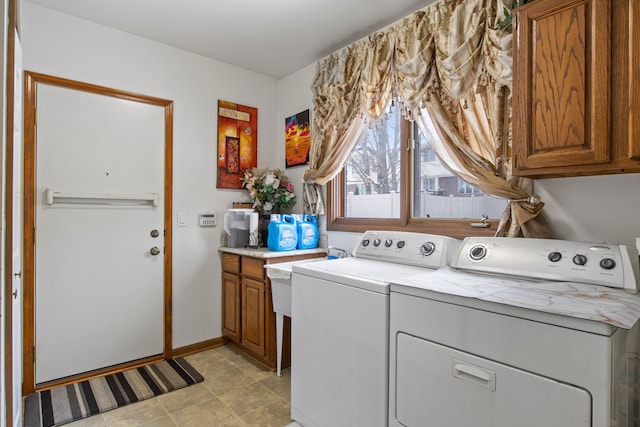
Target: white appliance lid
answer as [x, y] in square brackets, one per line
[579, 300]
[357, 272]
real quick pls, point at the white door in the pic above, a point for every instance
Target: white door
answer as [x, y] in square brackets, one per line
[98, 287]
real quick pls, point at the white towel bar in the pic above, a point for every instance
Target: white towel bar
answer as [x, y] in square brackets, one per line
[52, 197]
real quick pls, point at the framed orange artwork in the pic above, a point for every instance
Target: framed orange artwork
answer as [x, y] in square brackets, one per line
[237, 142]
[297, 139]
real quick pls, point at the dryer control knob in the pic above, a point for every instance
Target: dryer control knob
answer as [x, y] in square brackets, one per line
[607, 263]
[427, 248]
[555, 256]
[477, 252]
[365, 242]
[580, 259]
[400, 244]
[376, 242]
[388, 243]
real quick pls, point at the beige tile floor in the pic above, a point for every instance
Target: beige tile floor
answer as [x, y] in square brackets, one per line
[235, 393]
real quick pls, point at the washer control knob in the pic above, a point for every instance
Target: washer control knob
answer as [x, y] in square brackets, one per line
[580, 259]
[607, 263]
[555, 256]
[477, 252]
[400, 244]
[427, 248]
[388, 243]
[365, 242]
[376, 242]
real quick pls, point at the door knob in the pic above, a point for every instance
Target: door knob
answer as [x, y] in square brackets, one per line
[154, 251]
[155, 233]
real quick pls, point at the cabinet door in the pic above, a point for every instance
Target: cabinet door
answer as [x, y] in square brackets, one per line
[253, 316]
[561, 85]
[231, 306]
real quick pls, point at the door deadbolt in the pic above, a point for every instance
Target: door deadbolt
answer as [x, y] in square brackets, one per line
[155, 233]
[154, 251]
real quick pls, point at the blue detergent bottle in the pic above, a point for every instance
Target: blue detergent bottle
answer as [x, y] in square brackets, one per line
[308, 235]
[283, 234]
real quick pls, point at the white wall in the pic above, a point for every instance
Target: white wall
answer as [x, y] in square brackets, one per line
[64, 46]
[593, 208]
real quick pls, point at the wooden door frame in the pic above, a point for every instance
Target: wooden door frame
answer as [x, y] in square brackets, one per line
[32, 80]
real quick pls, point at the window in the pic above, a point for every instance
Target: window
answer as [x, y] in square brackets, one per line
[373, 173]
[430, 184]
[464, 188]
[394, 180]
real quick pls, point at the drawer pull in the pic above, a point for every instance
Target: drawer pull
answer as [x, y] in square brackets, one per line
[466, 372]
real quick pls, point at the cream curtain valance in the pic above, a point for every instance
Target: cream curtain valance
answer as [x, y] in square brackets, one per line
[444, 49]
[448, 68]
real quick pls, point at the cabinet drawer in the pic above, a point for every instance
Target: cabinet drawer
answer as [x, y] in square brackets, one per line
[253, 267]
[231, 263]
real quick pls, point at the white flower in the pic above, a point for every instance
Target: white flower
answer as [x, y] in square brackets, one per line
[267, 206]
[269, 178]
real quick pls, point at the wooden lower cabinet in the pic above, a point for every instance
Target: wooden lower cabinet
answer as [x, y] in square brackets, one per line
[248, 319]
[231, 306]
[253, 318]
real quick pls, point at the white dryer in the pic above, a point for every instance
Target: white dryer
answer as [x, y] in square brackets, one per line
[525, 332]
[340, 327]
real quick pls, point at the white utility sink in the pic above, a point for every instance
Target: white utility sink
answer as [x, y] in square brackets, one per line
[280, 276]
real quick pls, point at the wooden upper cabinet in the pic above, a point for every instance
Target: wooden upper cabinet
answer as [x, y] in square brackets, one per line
[576, 88]
[561, 85]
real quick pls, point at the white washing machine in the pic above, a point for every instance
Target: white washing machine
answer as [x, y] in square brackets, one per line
[340, 327]
[521, 332]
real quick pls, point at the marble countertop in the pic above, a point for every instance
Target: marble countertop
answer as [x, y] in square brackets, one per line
[608, 305]
[266, 253]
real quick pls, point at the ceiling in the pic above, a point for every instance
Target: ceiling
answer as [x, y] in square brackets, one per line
[270, 37]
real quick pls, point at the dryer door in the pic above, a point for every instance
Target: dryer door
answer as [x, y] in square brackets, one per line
[440, 386]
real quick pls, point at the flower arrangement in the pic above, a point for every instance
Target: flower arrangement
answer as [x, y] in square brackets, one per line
[270, 190]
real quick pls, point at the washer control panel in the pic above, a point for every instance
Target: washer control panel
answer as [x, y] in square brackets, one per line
[561, 260]
[422, 250]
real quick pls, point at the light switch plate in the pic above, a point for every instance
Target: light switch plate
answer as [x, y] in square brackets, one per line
[182, 219]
